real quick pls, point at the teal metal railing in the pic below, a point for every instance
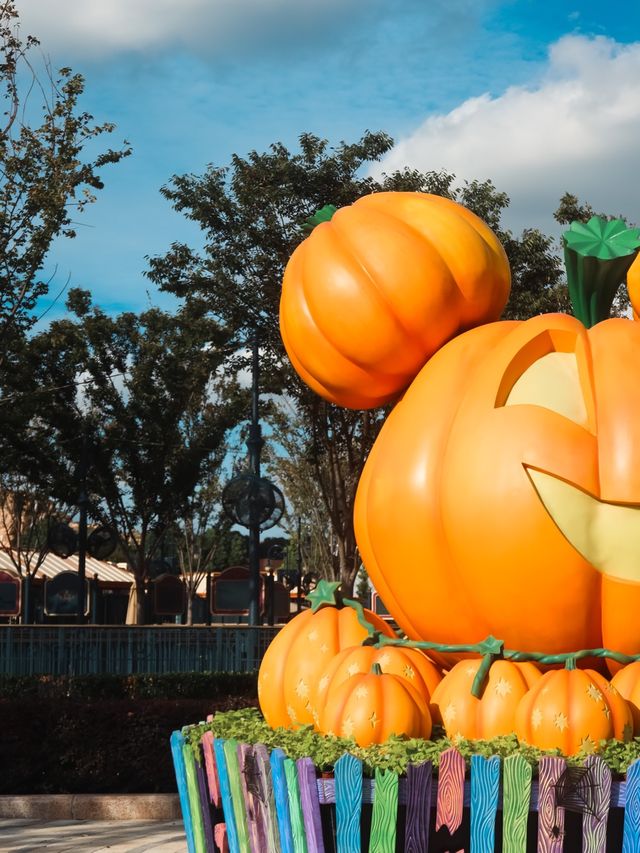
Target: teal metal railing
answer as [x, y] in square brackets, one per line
[127, 650]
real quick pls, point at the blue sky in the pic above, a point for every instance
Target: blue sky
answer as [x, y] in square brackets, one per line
[539, 95]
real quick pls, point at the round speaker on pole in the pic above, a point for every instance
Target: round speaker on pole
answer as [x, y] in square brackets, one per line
[247, 494]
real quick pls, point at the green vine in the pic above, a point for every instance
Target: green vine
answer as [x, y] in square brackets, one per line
[491, 650]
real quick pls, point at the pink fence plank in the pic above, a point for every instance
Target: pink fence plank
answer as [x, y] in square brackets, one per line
[451, 770]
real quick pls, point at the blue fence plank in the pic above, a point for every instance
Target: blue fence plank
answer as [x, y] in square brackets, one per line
[281, 795]
[485, 789]
[225, 795]
[177, 742]
[631, 836]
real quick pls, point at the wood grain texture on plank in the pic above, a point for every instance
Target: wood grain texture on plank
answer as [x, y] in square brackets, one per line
[267, 801]
[197, 822]
[207, 823]
[348, 796]
[450, 796]
[281, 798]
[177, 742]
[307, 779]
[594, 819]
[295, 807]
[230, 750]
[384, 820]
[225, 795]
[418, 795]
[485, 790]
[516, 796]
[631, 833]
[256, 831]
[550, 815]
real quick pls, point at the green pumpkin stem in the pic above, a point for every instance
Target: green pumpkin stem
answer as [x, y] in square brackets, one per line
[570, 662]
[323, 215]
[376, 669]
[597, 256]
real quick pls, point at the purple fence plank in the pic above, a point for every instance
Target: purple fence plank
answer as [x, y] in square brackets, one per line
[205, 807]
[418, 798]
[550, 816]
[310, 804]
[249, 782]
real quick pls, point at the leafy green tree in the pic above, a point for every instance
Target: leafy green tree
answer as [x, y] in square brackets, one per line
[145, 397]
[252, 215]
[45, 179]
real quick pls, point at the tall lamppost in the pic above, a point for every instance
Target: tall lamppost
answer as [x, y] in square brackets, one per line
[251, 500]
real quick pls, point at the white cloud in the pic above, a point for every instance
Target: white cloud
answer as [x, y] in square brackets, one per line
[576, 130]
[98, 28]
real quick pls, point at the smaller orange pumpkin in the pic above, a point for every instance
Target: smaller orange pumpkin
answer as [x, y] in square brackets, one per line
[301, 651]
[410, 664]
[573, 710]
[371, 707]
[463, 715]
[627, 683]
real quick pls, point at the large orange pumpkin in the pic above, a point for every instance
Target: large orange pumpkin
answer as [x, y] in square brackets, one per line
[502, 495]
[410, 664]
[371, 707]
[493, 714]
[572, 709]
[299, 653]
[370, 295]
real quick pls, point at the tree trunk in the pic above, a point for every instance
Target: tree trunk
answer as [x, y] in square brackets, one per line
[189, 607]
[140, 600]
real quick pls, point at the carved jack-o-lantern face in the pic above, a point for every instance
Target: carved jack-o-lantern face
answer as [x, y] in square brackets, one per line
[503, 493]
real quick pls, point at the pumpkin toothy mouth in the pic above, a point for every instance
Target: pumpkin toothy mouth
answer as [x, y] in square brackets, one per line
[605, 534]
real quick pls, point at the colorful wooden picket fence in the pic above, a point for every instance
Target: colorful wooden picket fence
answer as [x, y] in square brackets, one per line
[243, 799]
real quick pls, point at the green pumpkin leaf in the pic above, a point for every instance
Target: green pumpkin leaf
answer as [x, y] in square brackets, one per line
[324, 594]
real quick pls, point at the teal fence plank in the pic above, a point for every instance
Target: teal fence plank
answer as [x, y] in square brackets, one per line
[348, 794]
[177, 742]
[225, 794]
[485, 789]
[281, 797]
[631, 836]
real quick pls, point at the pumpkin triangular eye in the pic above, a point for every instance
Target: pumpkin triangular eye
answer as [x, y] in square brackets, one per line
[553, 382]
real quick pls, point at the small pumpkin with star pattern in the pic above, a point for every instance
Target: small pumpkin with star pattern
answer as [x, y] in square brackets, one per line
[572, 710]
[627, 680]
[372, 706]
[299, 653]
[411, 664]
[492, 715]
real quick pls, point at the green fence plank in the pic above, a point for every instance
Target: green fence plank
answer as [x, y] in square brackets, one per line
[516, 796]
[197, 819]
[239, 808]
[295, 807]
[384, 821]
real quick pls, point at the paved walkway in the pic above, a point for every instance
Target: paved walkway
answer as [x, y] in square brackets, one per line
[92, 836]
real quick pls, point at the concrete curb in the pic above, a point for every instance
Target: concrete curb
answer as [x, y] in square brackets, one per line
[91, 807]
